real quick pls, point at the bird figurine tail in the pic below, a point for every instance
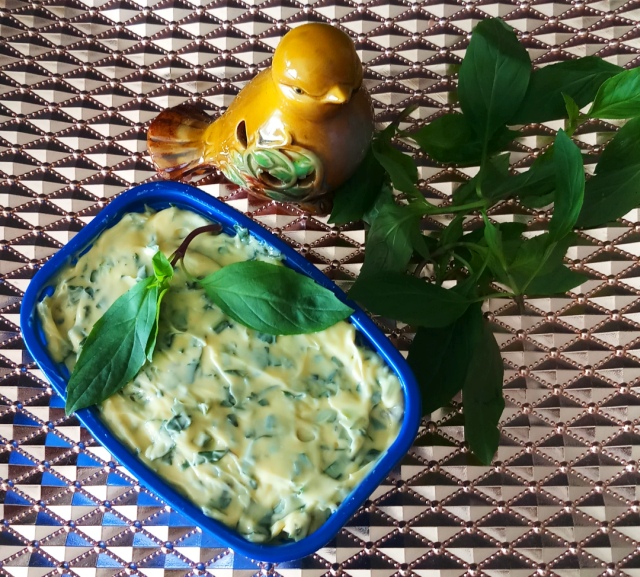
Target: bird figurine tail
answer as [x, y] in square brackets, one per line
[176, 142]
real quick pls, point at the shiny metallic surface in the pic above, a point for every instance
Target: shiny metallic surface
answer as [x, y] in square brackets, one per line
[79, 82]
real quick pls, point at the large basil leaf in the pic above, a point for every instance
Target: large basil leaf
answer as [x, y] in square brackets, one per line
[493, 77]
[615, 188]
[534, 187]
[579, 79]
[569, 186]
[452, 139]
[116, 348]
[389, 244]
[408, 299]
[440, 358]
[618, 97]
[400, 167]
[356, 196]
[273, 299]
[482, 397]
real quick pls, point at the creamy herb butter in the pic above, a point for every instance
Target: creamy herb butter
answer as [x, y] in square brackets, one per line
[267, 434]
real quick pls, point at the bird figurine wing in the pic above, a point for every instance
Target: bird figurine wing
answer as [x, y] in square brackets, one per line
[294, 133]
[283, 173]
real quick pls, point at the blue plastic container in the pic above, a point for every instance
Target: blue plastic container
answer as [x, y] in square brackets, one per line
[161, 195]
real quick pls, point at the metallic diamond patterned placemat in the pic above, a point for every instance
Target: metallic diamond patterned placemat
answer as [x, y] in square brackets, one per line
[79, 82]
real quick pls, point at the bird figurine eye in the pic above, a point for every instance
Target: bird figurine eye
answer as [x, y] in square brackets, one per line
[298, 90]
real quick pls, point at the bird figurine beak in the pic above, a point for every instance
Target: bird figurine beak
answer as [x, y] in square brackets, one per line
[338, 94]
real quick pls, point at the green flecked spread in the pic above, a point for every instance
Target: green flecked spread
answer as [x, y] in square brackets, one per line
[267, 434]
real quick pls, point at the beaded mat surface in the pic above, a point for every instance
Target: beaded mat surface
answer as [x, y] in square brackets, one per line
[79, 82]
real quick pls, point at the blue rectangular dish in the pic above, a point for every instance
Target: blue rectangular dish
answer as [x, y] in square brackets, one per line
[160, 195]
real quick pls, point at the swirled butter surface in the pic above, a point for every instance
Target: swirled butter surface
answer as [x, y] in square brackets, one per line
[267, 434]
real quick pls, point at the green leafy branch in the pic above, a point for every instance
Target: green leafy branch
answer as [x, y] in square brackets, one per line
[454, 349]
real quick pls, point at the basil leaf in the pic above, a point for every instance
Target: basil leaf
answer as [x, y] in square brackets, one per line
[354, 198]
[579, 79]
[445, 246]
[399, 166]
[534, 188]
[486, 265]
[569, 186]
[482, 397]
[453, 231]
[116, 348]
[408, 299]
[621, 151]
[496, 256]
[153, 337]
[614, 190]
[389, 243]
[618, 97]
[423, 245]
[163, 272]
[540, 256]
[558, 280]
[451, 139]
[495, 65]
[573, 113]
[384, 198]
[509, 231]
[440, 358]
[495, 172]
[162, 268]
[273, 299]
[466, 192]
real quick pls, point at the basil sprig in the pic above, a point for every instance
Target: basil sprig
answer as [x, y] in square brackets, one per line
[266, 297]
[120, 342]
[454, 349]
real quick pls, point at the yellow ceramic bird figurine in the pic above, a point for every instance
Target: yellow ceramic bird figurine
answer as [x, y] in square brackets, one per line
[297, 131]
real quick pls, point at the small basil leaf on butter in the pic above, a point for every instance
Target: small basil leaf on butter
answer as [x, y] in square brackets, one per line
[116, 347]
[163, 272]
[273, 299]
[162, 267]
[210, 456]
[120, 342]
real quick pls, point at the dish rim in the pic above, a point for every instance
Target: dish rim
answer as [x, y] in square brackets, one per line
[159, 195]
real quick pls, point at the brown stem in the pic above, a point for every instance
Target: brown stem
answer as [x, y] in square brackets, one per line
[182, 249]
